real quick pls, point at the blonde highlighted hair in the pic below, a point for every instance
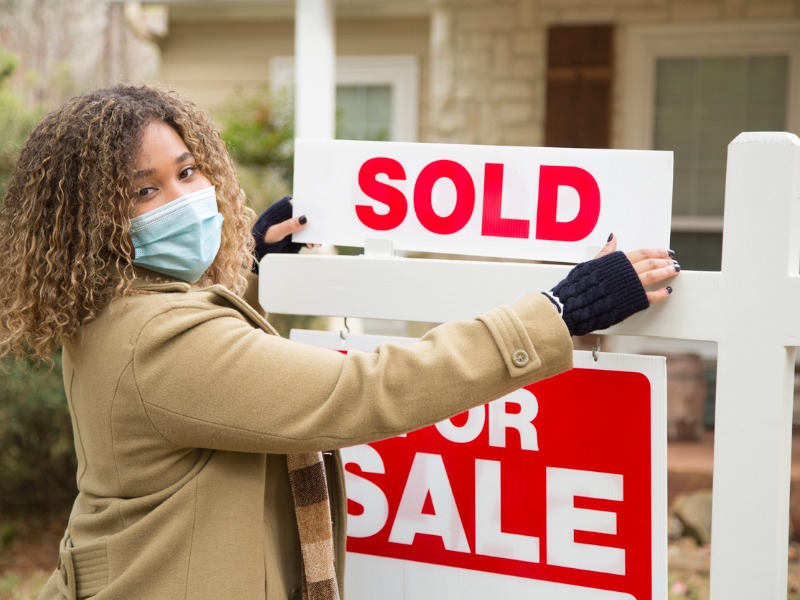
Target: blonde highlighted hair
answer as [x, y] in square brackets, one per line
[65, 251]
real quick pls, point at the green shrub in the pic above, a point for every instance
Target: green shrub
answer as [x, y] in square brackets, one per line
[16, 120]
[37, 457]
[258, 128]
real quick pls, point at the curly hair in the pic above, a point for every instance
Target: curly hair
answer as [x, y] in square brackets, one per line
[65, 252]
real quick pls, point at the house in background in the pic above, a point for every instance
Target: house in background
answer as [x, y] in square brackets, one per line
[680, 75]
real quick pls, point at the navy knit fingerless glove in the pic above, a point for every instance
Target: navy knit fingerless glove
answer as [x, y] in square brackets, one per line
[599, 293]
[278, 212]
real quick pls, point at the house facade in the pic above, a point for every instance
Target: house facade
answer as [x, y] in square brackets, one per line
[681, 75]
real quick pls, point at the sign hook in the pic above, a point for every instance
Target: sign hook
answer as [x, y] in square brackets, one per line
[342, 336]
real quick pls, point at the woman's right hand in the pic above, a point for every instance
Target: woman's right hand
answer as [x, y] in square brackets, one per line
[604, 291]
[653, 265]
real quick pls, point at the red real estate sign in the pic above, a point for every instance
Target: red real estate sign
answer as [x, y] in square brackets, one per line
[557, 490]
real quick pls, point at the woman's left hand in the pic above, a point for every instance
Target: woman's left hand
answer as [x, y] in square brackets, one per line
[281, 230]
[274, 228]
[273, 231]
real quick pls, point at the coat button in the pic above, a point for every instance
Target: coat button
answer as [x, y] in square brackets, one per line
[520, 358]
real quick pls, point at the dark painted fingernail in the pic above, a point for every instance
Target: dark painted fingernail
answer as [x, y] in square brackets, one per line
[676, 265]
[303, 220]
[611, 237]
[671, 253]
[669, 289]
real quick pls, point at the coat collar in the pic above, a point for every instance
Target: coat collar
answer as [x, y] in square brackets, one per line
[150, 281]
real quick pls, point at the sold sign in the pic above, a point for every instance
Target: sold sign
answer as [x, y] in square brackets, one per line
[512, 202]
[556, 491]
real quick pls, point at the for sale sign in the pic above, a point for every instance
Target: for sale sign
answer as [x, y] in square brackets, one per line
[557, 490]
[555, 204]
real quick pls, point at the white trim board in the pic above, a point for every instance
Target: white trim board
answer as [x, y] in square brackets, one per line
[642, 46]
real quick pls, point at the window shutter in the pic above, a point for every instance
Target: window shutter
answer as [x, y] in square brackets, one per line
[579, 78]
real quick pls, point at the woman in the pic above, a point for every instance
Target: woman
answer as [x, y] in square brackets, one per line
[124, 239]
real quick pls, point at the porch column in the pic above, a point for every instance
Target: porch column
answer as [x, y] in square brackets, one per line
[315, 69]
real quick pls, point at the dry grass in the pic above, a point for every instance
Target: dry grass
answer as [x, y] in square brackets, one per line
[19, 586]
[28, 555]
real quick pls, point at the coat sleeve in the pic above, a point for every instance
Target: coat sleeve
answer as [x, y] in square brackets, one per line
[208, 378]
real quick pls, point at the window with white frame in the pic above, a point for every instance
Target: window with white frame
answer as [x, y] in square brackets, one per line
[376, 96]
[692, 89]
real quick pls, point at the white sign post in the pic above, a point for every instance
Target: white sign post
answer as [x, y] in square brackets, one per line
[750, 308]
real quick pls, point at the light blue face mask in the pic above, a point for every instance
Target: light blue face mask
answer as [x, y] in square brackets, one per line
[181, 238]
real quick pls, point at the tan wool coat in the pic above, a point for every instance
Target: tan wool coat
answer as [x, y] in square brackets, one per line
[185, 403]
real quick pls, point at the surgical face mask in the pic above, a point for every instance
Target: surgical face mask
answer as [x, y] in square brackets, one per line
[181, 238]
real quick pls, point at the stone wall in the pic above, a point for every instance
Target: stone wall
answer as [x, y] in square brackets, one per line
[488, 57]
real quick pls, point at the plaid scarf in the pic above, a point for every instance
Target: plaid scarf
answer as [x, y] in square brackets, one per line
[310, 493]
